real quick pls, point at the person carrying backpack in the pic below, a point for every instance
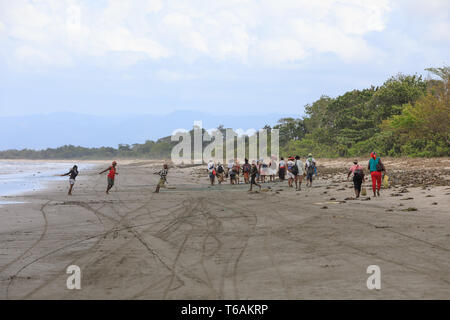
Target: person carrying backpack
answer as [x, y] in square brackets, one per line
[291, 169]
[310, 166]
[246, 168]
[220, 172]
[376, 167]
[211, 171]
[358, 177]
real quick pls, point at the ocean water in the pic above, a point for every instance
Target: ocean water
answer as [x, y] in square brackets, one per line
[23, 176]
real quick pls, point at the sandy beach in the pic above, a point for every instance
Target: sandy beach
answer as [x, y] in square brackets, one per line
[193, 241]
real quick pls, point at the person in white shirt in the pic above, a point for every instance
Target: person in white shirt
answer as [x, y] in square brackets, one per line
[229, 167]
[310, 166]
[211, 171]
[290, 174]
[299, 176]
[282, 169]
[273, 168]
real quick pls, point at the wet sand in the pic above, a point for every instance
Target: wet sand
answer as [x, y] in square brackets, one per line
[192, 241]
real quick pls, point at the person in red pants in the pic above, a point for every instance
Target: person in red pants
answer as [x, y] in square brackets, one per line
[375, 167]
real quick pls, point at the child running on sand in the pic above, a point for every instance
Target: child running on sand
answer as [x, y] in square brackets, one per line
[253, 174]
[111, 175]
[73, 174]
[358, 177]
[162, 177]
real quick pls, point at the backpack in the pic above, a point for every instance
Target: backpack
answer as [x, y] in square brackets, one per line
[220, 169]
[359, 172]
[310, 168]
[380, 166]
[294, 170]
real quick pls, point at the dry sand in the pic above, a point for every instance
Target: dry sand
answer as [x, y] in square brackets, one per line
[192, 241]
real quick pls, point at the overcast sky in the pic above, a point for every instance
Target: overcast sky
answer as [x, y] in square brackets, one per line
[221, 56]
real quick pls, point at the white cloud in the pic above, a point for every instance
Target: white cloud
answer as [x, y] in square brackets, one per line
[60, 32]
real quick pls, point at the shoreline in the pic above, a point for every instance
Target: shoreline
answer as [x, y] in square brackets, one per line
[48, 183]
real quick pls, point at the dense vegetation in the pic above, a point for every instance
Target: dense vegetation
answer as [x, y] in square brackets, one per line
[406, 116]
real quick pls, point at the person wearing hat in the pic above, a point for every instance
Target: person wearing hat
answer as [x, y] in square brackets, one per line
[212, 171]
[111, 175]
[375, 167]
[310, 166]
[358, 177]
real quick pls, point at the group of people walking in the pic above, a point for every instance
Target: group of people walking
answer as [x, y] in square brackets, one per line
[257, 172]
[375, 167]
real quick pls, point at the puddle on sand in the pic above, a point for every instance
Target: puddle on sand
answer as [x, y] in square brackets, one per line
[11, 202]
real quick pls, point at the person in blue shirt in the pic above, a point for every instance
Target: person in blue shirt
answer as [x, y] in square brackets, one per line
[375, 167]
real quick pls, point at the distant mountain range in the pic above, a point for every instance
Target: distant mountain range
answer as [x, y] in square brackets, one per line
[57, 129]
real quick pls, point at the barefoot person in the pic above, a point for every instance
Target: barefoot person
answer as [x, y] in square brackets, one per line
[291, 171]
[111, 175]
[358, 177]
[375, 167]
[237, 170]
[233, 173]
[299, 175]
[220, 172]
[253, 175]
[282, 169]
[263, 170]
[162, 177]
[229, 167]
[73, 174]
[246, 168]
[273, 168]
[211, 172]
[310, 166]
